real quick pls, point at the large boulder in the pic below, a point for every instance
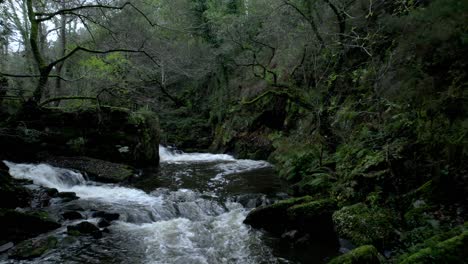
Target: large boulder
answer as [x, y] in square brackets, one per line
[84, 228]
[305, 215]
[11, 194]
[16, 226]
[99, 170]
[108, 133]
[364, 225]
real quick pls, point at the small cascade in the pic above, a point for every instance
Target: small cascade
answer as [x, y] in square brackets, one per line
[166, 225]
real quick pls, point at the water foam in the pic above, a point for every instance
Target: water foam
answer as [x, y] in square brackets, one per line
[171, 156]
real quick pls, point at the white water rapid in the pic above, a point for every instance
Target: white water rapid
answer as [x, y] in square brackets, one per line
[180, 224]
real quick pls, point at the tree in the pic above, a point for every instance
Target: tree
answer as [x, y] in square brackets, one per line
[38, 14]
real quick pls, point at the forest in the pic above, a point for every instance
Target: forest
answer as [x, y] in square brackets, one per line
[233, 131]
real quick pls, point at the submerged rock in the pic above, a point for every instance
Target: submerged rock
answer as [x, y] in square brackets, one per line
[103, 223]
[98, 169]
[84, 228]
[362, 255]
[68, 196]
[33, 248]
[107, 216]
[72, 215]
[16, 226]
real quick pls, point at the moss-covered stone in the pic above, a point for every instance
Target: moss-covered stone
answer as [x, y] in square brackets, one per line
[364, 225]
[108, 133]
[311, 209]
[366, 254]
[98, 169]
[11, 194]
[33, 248]
[304, 214]
[274, 218]
[452, 250]
[433, 240]
[16, 226]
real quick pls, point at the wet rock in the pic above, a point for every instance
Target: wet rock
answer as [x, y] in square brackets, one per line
[290, 235]
[107, 216]
[67, 196]
[362, 255]
[52, 192]
[274, 218]
[110, 133]
[100, 170]
[33, 248]
[72, 215]
[84, 228]
[16, 226]
[12, 195]
[6, 246]
[103, 223]
[309, 217]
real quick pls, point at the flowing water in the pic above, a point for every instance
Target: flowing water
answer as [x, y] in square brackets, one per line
[190, 211]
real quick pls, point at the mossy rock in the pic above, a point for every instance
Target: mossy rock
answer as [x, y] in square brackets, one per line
[274, 218]
[108, 133]
[446, 247]
[453, 250]
[16, 226]
[366, 254]
[12, 195]
[33, 248]
[364, 225]
[312, 209]
[100, 170]
[304, 214]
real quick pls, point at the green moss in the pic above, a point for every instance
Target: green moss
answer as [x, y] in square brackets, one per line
[34, 248]
[314, 208]
[452, 250]
[365, 225]
[366, 254]
[73, 232]
[284, 204]
[433, 240]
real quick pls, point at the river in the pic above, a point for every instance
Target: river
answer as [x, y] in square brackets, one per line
[189, 211]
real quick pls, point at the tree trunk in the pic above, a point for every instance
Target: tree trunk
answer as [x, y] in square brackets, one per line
[63, 45]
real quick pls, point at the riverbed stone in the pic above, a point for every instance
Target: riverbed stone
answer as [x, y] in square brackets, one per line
[103, 223]
[33, 248]
[107, 216]
[97, 169]
[16, 226]
[67, 196]
[84, 228]
[296, 218]
[72, 215]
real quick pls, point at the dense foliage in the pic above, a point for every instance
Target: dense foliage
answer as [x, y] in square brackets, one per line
[361, 101]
